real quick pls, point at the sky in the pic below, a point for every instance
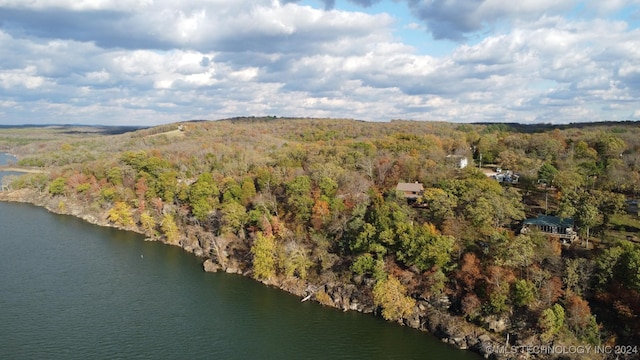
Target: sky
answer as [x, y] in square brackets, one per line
[149, 62]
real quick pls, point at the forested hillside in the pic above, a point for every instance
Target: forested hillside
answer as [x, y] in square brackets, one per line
[311, 206]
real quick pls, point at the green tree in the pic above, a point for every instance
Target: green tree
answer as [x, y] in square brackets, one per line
[569, 180]
[587, 215]
[233, 218]
[484, 202]
[424, 247]
[578, 274]
[114, 175]
[248, 191]
[299, 198]
[524, 292]
[609, 147]
[166, 185]
[551, 322]
[231, 190]
[440, 205]
[498, 298]
[629, 265]
[363, 264]
[203, 196]
[366, 264]
[609, 204]
[583, 206]
[547, 173]
[328, 187]
[58, 186]
[606, 265]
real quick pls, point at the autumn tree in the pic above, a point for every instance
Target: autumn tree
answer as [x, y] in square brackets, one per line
[295, 260]
[319, 213]
[470, 271]
[148, 223]
[263, 253]
[550, 290]
[471, 305]
[170, 229]
[509, 159]
[580, 320]
[390, 294]
[120, 214]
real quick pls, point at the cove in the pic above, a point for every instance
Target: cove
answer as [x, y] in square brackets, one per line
[74, 290]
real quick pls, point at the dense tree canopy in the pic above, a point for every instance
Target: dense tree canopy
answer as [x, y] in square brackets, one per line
[315, 201]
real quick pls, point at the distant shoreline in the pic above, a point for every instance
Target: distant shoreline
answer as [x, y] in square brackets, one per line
[21, 169]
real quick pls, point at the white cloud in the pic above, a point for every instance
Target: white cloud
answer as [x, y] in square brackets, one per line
[166, 61]
[21, 78]
[78, 5]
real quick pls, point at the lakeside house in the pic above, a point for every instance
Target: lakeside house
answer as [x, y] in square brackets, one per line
[561, 228]
[410, 191]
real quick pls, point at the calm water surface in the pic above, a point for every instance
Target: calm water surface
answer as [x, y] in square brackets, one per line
[71, 290]
[7, 159]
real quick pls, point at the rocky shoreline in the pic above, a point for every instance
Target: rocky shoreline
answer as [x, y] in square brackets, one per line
[429, 316]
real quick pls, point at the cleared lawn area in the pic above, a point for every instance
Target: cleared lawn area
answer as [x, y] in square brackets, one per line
[624, 226]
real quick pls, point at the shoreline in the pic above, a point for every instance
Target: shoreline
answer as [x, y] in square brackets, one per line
[426, 317]
[22, 169]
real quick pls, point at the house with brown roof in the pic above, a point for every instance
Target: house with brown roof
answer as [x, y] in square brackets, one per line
[411, 191]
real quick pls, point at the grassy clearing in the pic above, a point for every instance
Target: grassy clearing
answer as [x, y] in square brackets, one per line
[624, 227]
[626, 223]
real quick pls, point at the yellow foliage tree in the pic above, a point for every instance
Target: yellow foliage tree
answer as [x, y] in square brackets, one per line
[120, 214]
[148, 223]
[170, 229]
[264, 256]
[390, 294]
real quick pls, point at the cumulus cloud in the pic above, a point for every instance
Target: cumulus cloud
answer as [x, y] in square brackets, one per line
[115, 61]
[240, 25]
[456, 19]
